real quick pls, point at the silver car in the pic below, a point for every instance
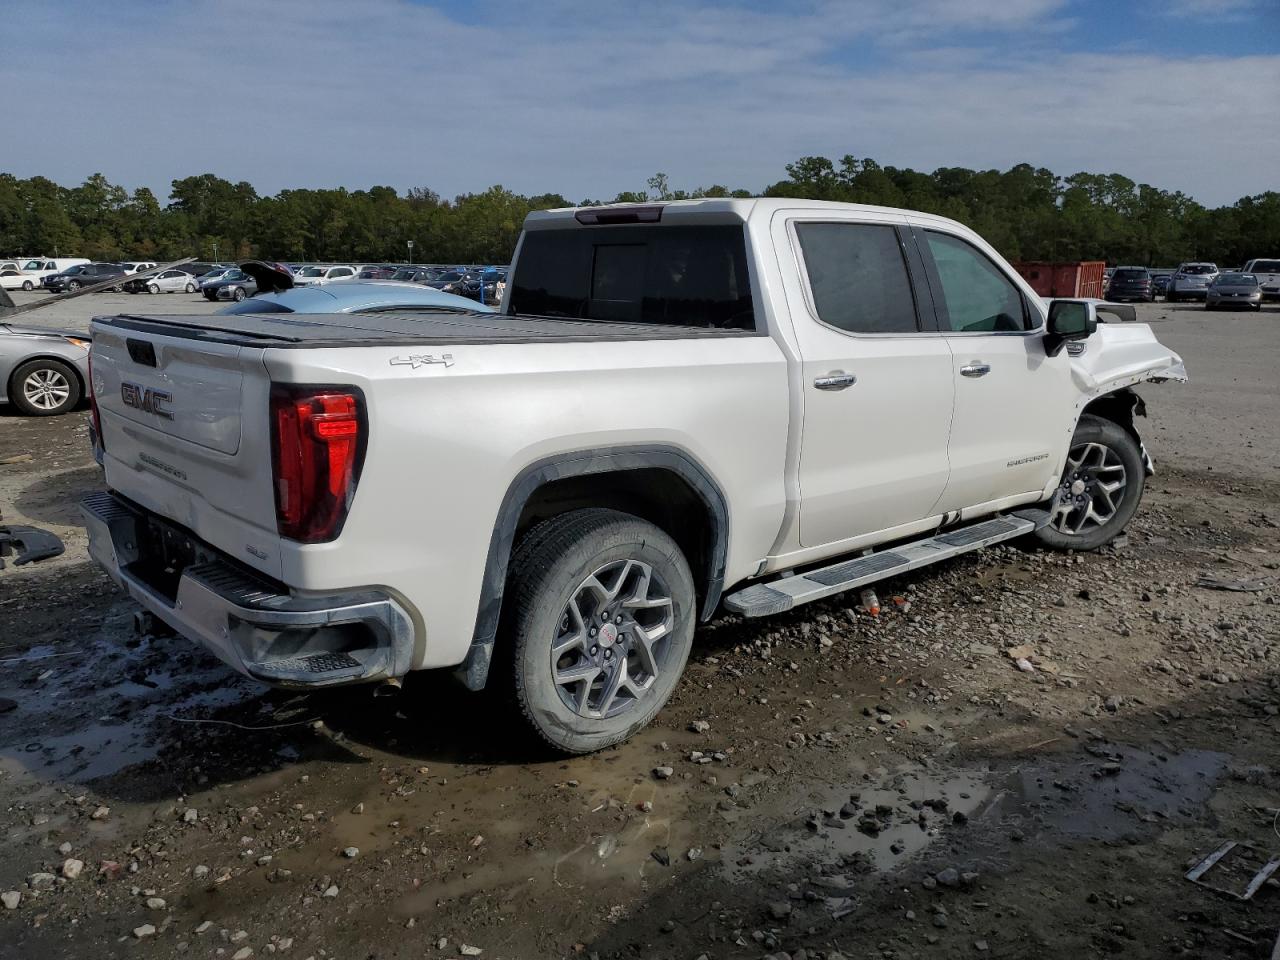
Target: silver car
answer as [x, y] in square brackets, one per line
[1234, 291]
[42, 372]
[1191, 281]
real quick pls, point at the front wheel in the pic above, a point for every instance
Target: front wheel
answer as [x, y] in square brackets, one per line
[1100, 489]
[73, 286]
[28, 286]
[601, 614]
[44, 388]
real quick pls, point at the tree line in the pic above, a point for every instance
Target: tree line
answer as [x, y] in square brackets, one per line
[1028, 213]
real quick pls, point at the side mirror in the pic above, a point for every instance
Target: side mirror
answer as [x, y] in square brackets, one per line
[1068, 320]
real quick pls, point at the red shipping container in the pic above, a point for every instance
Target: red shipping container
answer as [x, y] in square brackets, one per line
[1076, 279]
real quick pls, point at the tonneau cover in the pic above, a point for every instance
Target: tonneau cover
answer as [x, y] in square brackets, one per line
[411, 326]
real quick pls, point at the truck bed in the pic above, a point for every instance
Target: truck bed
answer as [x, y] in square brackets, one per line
[424, 327]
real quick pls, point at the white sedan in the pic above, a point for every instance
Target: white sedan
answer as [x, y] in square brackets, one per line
[171, 281]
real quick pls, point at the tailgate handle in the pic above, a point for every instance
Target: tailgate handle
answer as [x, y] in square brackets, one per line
[142, 351]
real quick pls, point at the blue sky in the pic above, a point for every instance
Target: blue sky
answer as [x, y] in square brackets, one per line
[590, 97]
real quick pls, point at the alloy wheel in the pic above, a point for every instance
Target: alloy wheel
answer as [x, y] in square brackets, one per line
[1091, 490]
[611, 642]
[46, 389]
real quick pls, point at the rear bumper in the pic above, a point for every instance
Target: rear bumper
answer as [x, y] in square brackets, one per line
[262, 630]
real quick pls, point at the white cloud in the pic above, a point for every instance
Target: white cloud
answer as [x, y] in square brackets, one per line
[589, 99]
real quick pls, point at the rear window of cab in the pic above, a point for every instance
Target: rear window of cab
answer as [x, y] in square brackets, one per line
[693, 276]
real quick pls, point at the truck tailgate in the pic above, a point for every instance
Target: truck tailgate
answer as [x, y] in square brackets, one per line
[185, 432]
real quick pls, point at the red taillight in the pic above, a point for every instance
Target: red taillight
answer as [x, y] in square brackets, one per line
[317, 447]
[95, 418]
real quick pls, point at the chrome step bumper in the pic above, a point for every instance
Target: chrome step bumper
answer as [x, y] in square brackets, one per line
[778, 596]
[276, 636]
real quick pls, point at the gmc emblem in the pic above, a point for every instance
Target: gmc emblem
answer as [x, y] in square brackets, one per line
[146, 399]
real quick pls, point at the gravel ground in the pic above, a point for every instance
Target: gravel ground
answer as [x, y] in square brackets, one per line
[823, 784]
[75, 314]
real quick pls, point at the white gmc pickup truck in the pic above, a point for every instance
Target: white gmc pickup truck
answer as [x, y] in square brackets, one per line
[681, 408]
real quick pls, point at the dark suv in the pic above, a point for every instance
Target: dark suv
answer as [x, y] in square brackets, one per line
[1131, 283]
[84, 275]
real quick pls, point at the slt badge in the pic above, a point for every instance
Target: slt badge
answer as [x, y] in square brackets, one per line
[417, 360]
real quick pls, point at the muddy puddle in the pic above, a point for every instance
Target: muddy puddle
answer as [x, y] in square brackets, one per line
[92, 706]
[1111, 792]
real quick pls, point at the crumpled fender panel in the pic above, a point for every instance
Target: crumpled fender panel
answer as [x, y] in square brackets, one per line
[1120, 355]
[1113, 360]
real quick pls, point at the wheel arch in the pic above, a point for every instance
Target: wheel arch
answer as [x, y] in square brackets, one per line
[659, 483]
[1122, 407]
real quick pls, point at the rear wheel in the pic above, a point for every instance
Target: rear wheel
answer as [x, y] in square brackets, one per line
[238, 294]
[1100, 489]
[191, 288]
[28, 286]
[602, 611]
[44, 388]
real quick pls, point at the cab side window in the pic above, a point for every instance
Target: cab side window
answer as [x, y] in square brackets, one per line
[976, 295]
[858, 277]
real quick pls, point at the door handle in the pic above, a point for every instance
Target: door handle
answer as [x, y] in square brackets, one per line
[835, 380]
[975, 369]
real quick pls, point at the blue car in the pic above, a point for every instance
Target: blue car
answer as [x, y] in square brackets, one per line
[347, 296]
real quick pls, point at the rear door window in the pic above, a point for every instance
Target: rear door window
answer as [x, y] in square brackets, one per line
[977, 297]
[680, 276]
[858, 277]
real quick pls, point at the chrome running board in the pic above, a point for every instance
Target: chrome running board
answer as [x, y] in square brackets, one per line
[778, 596]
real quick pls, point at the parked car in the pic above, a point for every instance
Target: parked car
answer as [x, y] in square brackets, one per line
[214, 275]
[376, 273]
[232, 279]
[43, 372]
[483, 285]
[84, 275]
[670, 416]
[32, 272]
[13, 279]
[133, 266]
[1234, 291]
[1191, 281]
[451, 281]
[1160, 282]
[1268, 274]
[1130, 283]
[321, 275]
[414, 274]
[354, 297]
[9, 265]
[235, 284]
[170, 281]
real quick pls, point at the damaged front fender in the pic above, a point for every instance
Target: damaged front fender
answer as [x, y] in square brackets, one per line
[1113, 360]
[1118, 356]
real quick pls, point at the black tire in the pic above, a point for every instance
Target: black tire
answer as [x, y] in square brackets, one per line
[73, 286]
[551, 570]
[191, 288]
[57, 375]
[1071, 528]
[153, 288]
[28, 286]
[238, 294]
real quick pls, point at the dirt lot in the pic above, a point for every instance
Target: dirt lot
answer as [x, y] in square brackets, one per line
[891, 787]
